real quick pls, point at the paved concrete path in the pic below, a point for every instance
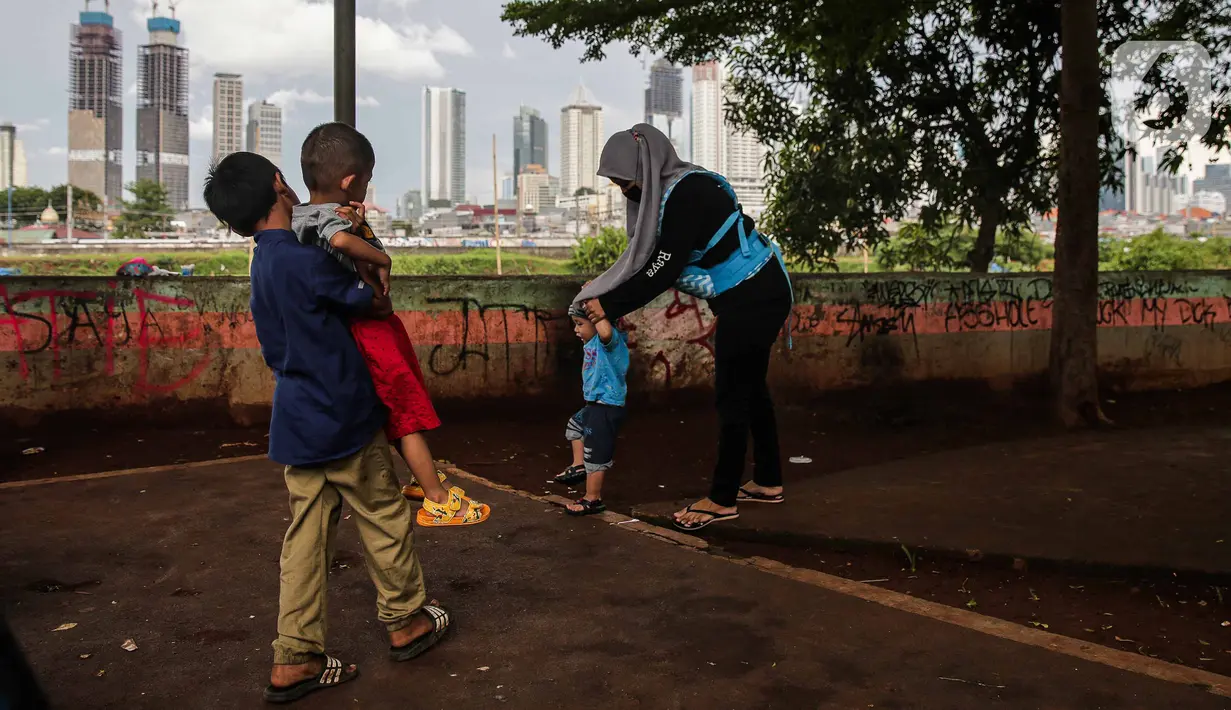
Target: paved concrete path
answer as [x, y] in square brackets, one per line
[1152, 499]
[553, 612]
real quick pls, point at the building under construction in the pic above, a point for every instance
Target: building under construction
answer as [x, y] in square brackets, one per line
[664, 98]
[95, 106]
[162, 110]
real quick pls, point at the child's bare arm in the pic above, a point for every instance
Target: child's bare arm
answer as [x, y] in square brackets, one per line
[359, 250]
[605, 331]
[375, 276]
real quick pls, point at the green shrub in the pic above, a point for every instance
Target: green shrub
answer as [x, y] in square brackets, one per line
[596, 254]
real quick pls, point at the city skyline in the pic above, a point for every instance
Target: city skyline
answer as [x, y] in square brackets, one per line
[283, 52]
[402, 47]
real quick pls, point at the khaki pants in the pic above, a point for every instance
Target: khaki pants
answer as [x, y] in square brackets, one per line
[365, 481]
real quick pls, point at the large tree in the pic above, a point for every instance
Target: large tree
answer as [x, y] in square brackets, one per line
[1074, 341]
[877, 107]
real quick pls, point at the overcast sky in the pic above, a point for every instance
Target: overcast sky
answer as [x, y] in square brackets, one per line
[284, 48]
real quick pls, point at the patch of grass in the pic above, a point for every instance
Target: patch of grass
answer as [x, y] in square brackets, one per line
[234, 262]
[222, 262]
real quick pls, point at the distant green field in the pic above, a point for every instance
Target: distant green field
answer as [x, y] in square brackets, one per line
[235, 263]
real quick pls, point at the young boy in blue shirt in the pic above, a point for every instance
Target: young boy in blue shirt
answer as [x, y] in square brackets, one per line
[326, 429]
[593, 429]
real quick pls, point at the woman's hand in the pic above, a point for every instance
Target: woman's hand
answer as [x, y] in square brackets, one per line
[594, 310]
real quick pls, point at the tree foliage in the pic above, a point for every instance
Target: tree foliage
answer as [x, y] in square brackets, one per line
[29, 203]
[1160, 251]
[916, 248]
[148, 210]
[876, 107]
[595, 254]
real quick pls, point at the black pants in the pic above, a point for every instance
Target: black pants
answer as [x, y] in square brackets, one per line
[743, 342]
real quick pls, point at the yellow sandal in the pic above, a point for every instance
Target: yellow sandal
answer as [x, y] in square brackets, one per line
[446, 514]
[414, 491]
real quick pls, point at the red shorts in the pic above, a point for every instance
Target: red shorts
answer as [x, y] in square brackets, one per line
[390, 355]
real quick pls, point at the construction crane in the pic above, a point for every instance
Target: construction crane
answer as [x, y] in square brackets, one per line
[106, 6]
[153, 8]
[173, 4]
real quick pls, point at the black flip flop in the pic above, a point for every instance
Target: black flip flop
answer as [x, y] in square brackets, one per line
[332, 674]
[571, 475]
[714, 518]
[747, 496]
[441, 621]
[588, 507]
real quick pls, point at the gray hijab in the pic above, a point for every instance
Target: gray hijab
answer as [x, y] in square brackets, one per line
[646, 156]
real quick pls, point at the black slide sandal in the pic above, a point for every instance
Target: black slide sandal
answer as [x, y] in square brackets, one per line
[333, 673]
[588, 507]
[714, 518]
[441, 620]
[747, 496]
[571, 475]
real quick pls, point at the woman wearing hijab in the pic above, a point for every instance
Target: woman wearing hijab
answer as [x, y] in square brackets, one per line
[686, 230]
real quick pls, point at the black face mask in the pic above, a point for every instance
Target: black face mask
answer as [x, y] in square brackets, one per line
[633, 193]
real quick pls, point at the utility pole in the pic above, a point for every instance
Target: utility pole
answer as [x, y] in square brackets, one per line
[496, 206]
[70, 213]
[344, 61]
[517, 198]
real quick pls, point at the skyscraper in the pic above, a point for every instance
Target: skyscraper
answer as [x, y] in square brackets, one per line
[162, 110]
[1217, 179]
[529, 140]
[718, 146]
[581, 142]
[444, 145]
[95, 107]
[12, 159]
[664, 98]
[265, 131]
[228, 115]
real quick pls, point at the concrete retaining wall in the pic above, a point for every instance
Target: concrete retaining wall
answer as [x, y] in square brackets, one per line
[89, 343]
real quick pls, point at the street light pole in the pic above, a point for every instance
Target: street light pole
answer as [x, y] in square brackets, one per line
[344, 61]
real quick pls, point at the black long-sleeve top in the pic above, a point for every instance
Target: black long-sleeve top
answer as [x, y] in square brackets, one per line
[696, 209]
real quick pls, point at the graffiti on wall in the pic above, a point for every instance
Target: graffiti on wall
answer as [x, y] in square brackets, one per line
[485, 324]
[59, 320]
[162, 341]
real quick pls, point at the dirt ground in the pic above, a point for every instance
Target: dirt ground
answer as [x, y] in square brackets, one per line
[552, 612]
[665, 453]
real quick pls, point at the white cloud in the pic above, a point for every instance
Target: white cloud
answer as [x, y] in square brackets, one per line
[56, 150]
[508, 52]
[202, 129]
[287, 98]
[295, 38]
[38, 125]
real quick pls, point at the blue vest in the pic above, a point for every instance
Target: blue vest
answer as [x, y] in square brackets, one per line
[754, 252]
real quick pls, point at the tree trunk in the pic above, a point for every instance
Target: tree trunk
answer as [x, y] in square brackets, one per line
[1074, 331]
[981, 253]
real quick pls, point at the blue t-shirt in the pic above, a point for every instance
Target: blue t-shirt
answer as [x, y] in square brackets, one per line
[604, 370]
[325, 407]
